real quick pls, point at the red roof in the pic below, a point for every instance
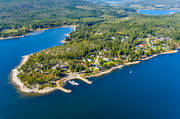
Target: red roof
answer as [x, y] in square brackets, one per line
[142, 45]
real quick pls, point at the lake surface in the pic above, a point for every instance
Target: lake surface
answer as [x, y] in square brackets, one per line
[152, 91]
[157, 12]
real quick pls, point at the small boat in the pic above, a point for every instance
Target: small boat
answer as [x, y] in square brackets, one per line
[130, 72]
[73, 83]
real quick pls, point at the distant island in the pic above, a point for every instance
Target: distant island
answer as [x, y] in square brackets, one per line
[94, 50]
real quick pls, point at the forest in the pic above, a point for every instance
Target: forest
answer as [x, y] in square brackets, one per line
[94, 48]
[106, 36]
[19, 17]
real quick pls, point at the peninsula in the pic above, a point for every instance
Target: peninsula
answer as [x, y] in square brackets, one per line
[94, 50]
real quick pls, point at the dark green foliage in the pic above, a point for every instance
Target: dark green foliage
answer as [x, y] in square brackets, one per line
[19, 17]
[117, 41]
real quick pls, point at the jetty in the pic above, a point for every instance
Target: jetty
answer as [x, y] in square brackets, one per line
[71, 76]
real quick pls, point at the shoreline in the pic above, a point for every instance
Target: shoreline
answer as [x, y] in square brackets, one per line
[113, 68]
[22, 88]
[130, 63]
[34, 30]
[63, 41]
[14, 37]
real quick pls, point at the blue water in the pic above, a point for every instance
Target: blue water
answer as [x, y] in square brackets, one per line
[152, 91]
[157, 12]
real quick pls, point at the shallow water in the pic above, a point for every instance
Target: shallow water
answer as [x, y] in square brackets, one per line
[151, 91]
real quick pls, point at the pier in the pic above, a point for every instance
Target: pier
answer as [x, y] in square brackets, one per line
[72, 76]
